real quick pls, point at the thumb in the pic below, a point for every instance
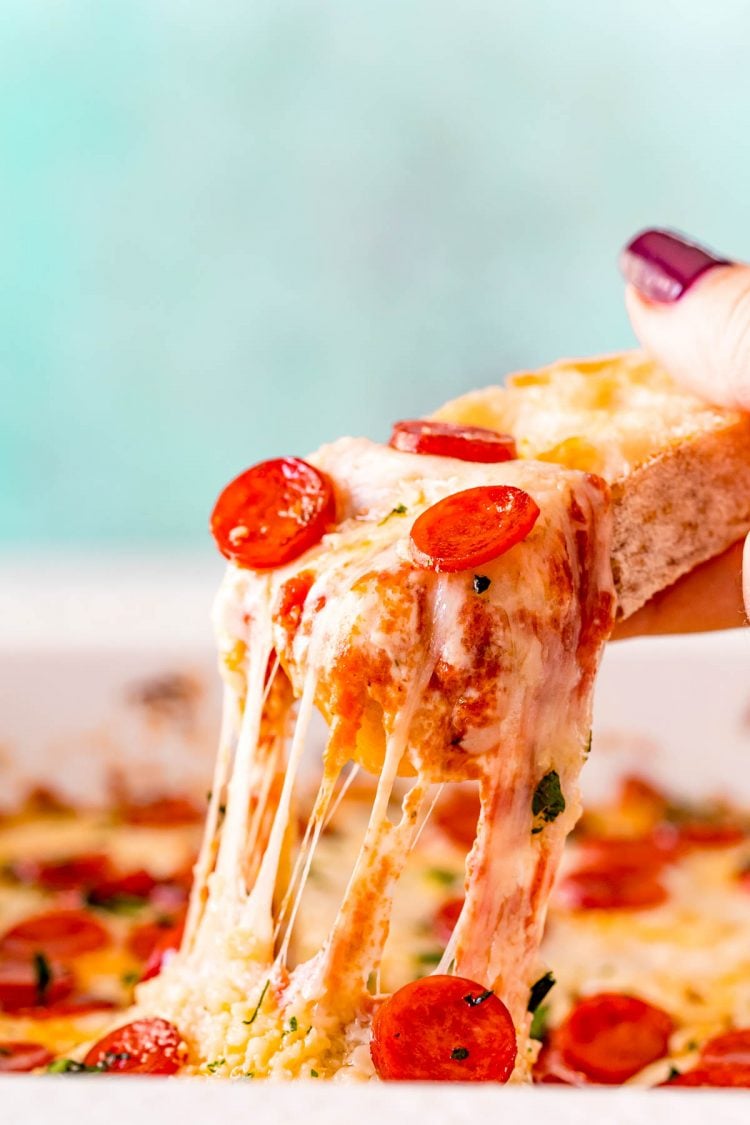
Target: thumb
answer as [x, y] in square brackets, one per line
[691, 311]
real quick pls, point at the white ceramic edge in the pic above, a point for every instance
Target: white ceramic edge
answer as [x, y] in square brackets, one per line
[70, 1101]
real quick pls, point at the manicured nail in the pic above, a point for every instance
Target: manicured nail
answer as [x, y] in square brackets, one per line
[663, 265]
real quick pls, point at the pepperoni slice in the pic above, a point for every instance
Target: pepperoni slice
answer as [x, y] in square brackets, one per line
[472, 527]
[162, 812]
[58, 933]
[457, 813]
[152, 940]
[611, 889]
[705, 834]
[641, 853]
[443, 1029]
[132, 885]
[272, 513]
[730, 1049]
[168, 943]
[551, 1070]
[718, 1076]
[22, 985]
[445, 439]
[610, 1037]
[148, 1046]
[446, 918]
[64, 875]
[20, 1058]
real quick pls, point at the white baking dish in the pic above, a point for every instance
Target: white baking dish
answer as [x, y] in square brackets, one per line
[76, 648]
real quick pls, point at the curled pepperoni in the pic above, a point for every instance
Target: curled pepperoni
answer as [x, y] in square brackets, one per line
[610, 1037]
[273, 513]
[132, 885]
[443, 1029]
[162, 812]
[730, 1049]
[26, 983]
[153, 940]
[717, 1076]
[20, 1058]
[81, 1004]
[148, 1046]
[472, 527]
[707, 834]
[646, 853]
[551, 1070]
[611, 889]
[168, 943]
[446, 917]
[58, 933]
[78, 872]
[445, 439]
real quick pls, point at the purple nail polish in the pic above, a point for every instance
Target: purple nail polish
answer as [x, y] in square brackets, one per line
[663, 265]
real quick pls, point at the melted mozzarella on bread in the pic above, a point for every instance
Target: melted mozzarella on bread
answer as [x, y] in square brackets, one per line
[418, 676]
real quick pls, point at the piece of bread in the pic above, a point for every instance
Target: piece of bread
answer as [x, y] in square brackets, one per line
[678, 468]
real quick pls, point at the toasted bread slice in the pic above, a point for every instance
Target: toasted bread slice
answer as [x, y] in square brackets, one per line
[679, 469]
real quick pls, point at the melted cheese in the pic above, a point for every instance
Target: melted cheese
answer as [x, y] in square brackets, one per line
[606, 415]
[419, 677]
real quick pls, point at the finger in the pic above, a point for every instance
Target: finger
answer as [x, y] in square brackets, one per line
[691, 311]
[709, 597]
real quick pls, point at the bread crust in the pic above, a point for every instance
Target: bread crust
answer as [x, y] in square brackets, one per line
[680, 508]
[680, 488]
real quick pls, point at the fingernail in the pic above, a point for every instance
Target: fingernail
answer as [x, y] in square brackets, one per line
[662, 265]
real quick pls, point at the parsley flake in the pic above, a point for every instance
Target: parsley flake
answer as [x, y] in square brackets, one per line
[314, 1074]
[442, 876]
[254, 1016]
[459, 1053]
[71, 1066]
[539, 1022]
[212, 1067]
[539, 990]
[43, 974]
[293, 1023]
[399, 510]
[548, 801]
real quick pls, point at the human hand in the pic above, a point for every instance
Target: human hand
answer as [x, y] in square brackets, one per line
[690, 310]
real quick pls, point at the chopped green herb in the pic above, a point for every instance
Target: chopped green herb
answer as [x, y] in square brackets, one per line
[539, 1022]
[548, 801]
[673, 1073]
[473, 1000]
[314, 1074]
[459, 1053]
[130, 978]
[212, 1067]
[442, 876]
[539, 990]
[399, 510]
[249, 1074]
[293, 1023]
[254, 1016]
[70, 1066]
[43, 974]
[429, 957]
[481, 583]
[118, 904]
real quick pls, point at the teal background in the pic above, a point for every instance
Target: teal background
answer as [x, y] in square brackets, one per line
[229, 230]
